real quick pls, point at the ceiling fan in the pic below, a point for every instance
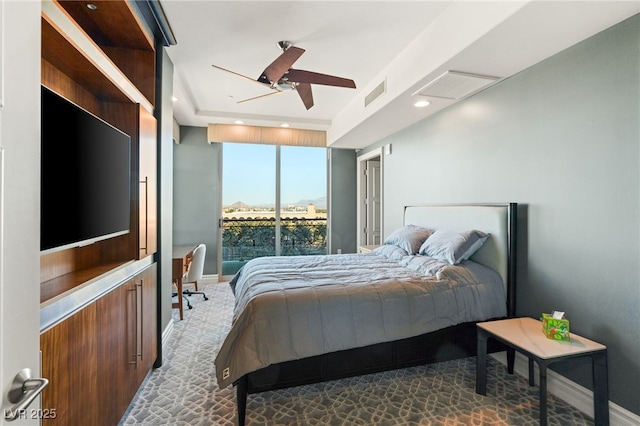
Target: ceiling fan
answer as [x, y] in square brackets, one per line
[280, 77]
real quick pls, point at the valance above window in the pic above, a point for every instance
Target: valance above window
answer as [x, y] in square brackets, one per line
[266, 135]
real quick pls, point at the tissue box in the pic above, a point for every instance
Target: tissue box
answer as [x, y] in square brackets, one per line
[556, 329]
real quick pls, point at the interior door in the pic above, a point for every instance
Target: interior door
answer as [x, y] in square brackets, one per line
[373, 202]
[20, 200]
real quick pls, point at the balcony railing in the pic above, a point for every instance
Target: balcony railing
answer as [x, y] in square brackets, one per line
[245, 239]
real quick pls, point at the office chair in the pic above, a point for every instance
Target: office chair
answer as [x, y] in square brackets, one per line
[194, 272]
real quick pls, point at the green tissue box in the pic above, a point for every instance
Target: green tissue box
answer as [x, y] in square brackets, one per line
[556, 329]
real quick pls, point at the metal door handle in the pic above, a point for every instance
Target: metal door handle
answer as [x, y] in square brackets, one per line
[24, 389]
[145, 182]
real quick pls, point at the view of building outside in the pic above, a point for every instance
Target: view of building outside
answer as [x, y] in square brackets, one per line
[250, 226]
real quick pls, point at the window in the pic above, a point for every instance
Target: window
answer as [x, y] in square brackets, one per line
[274, 202]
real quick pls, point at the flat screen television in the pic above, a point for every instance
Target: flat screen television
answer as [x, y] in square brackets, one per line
[85, 176]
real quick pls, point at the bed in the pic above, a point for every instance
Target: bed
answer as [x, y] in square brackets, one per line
[414, 300]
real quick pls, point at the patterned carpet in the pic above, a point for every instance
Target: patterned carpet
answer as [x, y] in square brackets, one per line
[184, 390]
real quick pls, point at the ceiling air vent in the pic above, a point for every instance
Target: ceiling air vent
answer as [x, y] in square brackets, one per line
[375, 93]
[456, 85]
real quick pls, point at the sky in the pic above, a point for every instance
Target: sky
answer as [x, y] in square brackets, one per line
[249, 174]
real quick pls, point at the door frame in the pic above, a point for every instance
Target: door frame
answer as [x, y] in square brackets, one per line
[361, 192]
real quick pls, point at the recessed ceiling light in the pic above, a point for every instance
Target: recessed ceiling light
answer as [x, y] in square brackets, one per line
[92, 6]
[421, 104]
[174, 99]
[239, 122]
[285, 125]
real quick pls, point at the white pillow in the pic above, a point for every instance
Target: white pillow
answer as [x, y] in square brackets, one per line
[453, 246]
[409, 238]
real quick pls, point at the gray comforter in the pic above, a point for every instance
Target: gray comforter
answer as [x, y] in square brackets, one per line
[295, 307]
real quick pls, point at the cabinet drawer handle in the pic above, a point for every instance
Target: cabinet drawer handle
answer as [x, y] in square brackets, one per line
[138, 301]
[140, 352]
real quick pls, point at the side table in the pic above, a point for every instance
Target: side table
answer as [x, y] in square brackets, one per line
[525, 336]
[367, 248]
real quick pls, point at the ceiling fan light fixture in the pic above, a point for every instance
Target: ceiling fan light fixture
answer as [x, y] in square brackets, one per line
[284, 45]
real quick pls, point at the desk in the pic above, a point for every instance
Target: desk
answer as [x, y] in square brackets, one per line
[525, 335]
[181, 258]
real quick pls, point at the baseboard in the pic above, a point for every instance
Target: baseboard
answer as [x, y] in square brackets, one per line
[572, 393]
[210, 278]
[167, 332]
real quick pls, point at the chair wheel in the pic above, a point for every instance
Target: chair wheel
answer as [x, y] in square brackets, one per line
[206, 298]
[190, 307]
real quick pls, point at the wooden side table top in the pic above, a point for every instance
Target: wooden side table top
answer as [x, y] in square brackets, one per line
[526, 333]
[368, 248]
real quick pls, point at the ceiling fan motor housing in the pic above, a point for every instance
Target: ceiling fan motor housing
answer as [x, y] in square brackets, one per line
[284, 45]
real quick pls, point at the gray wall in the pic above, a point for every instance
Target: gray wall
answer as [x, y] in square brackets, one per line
[562, 139]
[342, 199]
[195, 187]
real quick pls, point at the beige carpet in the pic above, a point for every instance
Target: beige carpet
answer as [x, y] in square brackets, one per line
[184, 390]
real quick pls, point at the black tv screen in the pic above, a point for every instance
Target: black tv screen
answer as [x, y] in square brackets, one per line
[85, 169]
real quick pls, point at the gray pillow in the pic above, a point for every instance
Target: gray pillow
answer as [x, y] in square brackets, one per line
[409, 238]
[453, 246]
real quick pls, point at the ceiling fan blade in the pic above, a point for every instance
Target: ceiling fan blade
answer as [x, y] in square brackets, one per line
[277, 68]
[261, 96]
[304, 90]
[239, 75]
[302, 76]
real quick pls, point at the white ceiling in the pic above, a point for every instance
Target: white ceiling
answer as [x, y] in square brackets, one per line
[406, 43]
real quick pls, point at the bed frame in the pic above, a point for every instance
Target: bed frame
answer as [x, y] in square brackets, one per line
[498, 252]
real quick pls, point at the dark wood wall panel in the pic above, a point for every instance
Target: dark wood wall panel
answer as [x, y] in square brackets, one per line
[135, 64]
[62, 84]
[63, 55]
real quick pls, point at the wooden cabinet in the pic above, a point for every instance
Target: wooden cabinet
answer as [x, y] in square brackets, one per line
[97, 358]
[116, 373]
[147, 349]
[127, 346]
[70, 362]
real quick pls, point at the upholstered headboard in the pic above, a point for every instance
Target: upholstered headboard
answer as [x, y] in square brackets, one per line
[498, 220]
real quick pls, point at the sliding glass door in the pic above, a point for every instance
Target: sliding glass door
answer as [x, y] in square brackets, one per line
[303, 190]
[274, 202]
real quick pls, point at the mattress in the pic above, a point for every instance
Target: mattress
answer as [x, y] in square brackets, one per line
[295, 307]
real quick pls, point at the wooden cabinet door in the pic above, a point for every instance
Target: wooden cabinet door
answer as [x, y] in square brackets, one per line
[116, 351]
[148, 217]
[146, 283]
[69, 361]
